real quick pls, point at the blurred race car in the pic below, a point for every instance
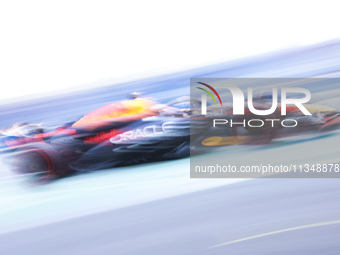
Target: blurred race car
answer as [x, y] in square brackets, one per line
[140, 130]
[253, 129]
[123, 133]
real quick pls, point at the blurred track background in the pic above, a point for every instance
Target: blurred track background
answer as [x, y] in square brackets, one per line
[157, 208]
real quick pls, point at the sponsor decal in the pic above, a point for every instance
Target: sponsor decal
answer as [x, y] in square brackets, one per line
[148, 131]
[220, 141]
[61, 140]
[22, 141]
[100, 137]
[212, 141]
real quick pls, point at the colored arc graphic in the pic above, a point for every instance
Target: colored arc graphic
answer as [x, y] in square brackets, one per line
[209, 94]
[212, 90]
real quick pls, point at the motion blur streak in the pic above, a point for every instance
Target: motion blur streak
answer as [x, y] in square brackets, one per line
[156, 208]
[279, 231]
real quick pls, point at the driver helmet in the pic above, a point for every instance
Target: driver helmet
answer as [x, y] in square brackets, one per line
[134, 95]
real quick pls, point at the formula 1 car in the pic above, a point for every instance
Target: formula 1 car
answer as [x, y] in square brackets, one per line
[253, 129]
[139, 131]
[119, 134]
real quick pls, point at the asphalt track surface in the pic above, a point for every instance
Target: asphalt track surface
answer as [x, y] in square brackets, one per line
[158, 209]
[196, 223]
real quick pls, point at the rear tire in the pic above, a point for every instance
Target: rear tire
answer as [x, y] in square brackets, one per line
[36, 164]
